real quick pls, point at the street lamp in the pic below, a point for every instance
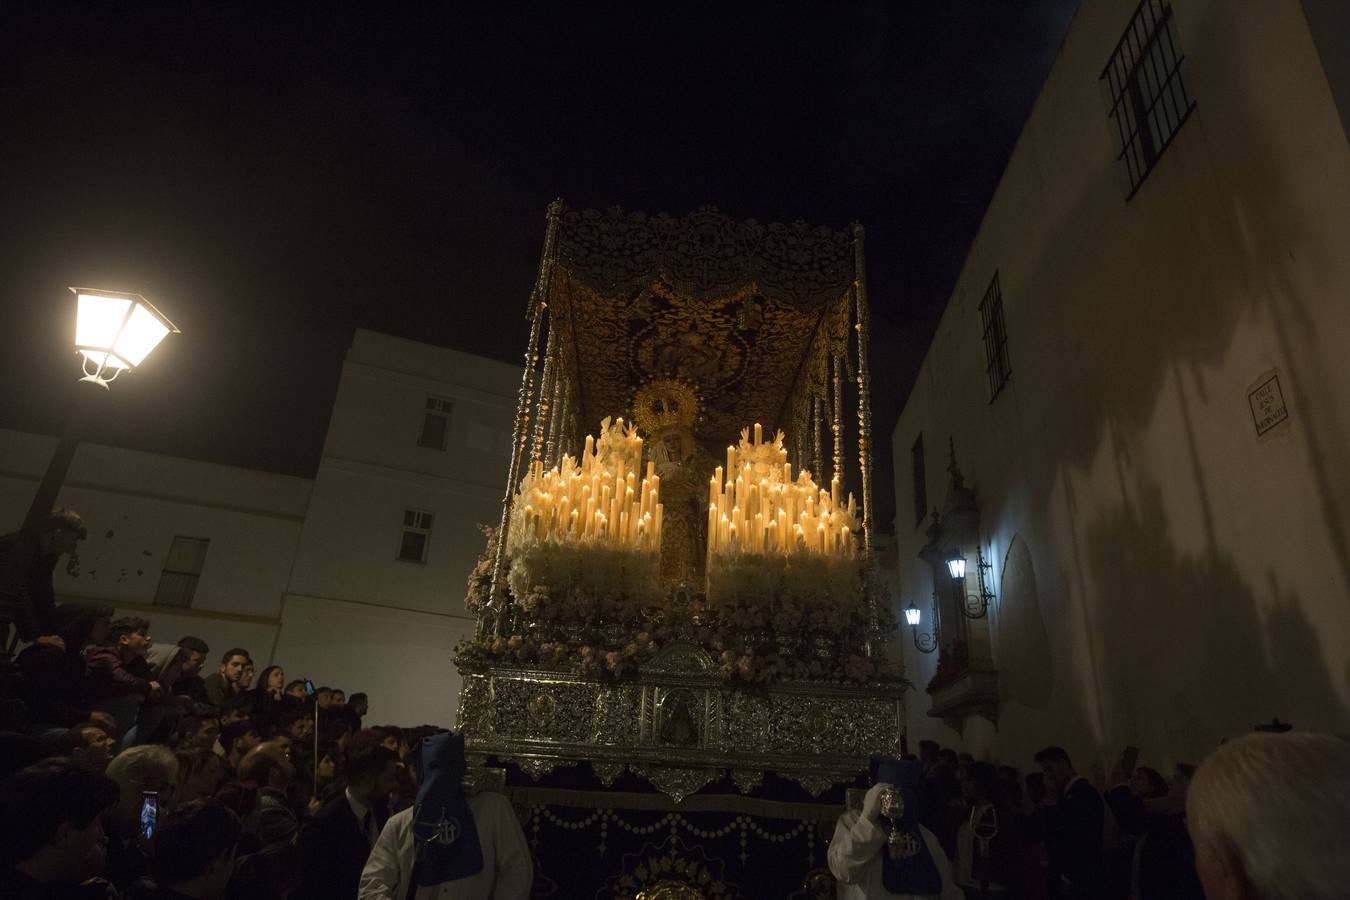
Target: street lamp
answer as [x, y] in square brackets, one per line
[924, 643]
[114, 332]
[956, 567]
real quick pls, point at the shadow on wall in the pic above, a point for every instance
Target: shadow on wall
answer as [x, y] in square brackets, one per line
[1188, 628]
[1226, 227]
[1225, 230]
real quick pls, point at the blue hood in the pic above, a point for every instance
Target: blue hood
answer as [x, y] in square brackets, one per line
[445, 834]
[906, 865]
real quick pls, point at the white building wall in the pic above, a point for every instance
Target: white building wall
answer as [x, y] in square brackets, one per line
[390, 625]
[1165, 577]
[135, 503]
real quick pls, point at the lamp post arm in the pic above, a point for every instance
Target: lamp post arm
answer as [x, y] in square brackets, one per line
[59, 465]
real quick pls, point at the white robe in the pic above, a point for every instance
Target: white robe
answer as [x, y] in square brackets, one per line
[507, 869]
[855, 860]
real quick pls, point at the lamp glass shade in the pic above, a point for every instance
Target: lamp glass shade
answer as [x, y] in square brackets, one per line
[98, 320]
[115, 330]
[957, 566]
[139, 336]
[912, 614]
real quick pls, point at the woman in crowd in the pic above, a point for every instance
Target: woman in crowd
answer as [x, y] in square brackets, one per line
[271, 684]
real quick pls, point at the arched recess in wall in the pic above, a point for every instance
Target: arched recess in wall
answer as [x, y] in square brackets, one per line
[1025, 669]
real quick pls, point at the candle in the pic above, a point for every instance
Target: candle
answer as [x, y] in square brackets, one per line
[774, 514]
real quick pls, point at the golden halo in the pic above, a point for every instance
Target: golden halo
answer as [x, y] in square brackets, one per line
[665, 403]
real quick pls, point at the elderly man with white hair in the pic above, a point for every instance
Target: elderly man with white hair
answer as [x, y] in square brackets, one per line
[1270, 818]
[149, 768]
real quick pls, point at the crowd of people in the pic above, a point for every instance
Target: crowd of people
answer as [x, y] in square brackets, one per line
[1265, 817]
[128, 773]
[136, 769]
[1052, 832]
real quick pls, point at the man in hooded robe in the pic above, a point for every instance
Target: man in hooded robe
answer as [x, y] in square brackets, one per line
[448, 846]
[883, 852]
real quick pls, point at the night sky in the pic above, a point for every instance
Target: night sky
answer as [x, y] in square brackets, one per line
[272, 176]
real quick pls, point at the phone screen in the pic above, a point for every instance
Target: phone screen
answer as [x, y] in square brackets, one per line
[149, 814]
[309, 688]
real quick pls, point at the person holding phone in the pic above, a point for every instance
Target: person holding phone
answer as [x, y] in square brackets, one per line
[149, 817]
[149, 768]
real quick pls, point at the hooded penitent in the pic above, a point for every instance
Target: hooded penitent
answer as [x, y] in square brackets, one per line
[906, 865]
[443, 827]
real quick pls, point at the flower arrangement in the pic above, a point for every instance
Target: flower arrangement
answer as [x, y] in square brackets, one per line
[591, 655]
[578, 584]
[751, 658]
[584, 540]
[782, 552]
[480, 579]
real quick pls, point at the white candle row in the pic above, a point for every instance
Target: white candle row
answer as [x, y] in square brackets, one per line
[596, 498]
[755, 506]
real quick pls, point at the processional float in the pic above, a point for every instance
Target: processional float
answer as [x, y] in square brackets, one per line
[679, 587]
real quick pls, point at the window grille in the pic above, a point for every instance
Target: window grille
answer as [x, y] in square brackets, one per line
[996, 364]
[1145, 86]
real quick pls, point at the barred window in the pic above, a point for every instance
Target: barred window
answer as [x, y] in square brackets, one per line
[1145, 87]
[182, 569]
[996, 364]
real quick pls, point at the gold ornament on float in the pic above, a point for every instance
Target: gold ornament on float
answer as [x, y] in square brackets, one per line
[663, 404]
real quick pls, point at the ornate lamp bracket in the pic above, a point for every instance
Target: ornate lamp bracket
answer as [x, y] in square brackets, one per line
[976, 606]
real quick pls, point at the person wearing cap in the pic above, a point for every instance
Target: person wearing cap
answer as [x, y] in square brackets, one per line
[448, 845]
[882, 852]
